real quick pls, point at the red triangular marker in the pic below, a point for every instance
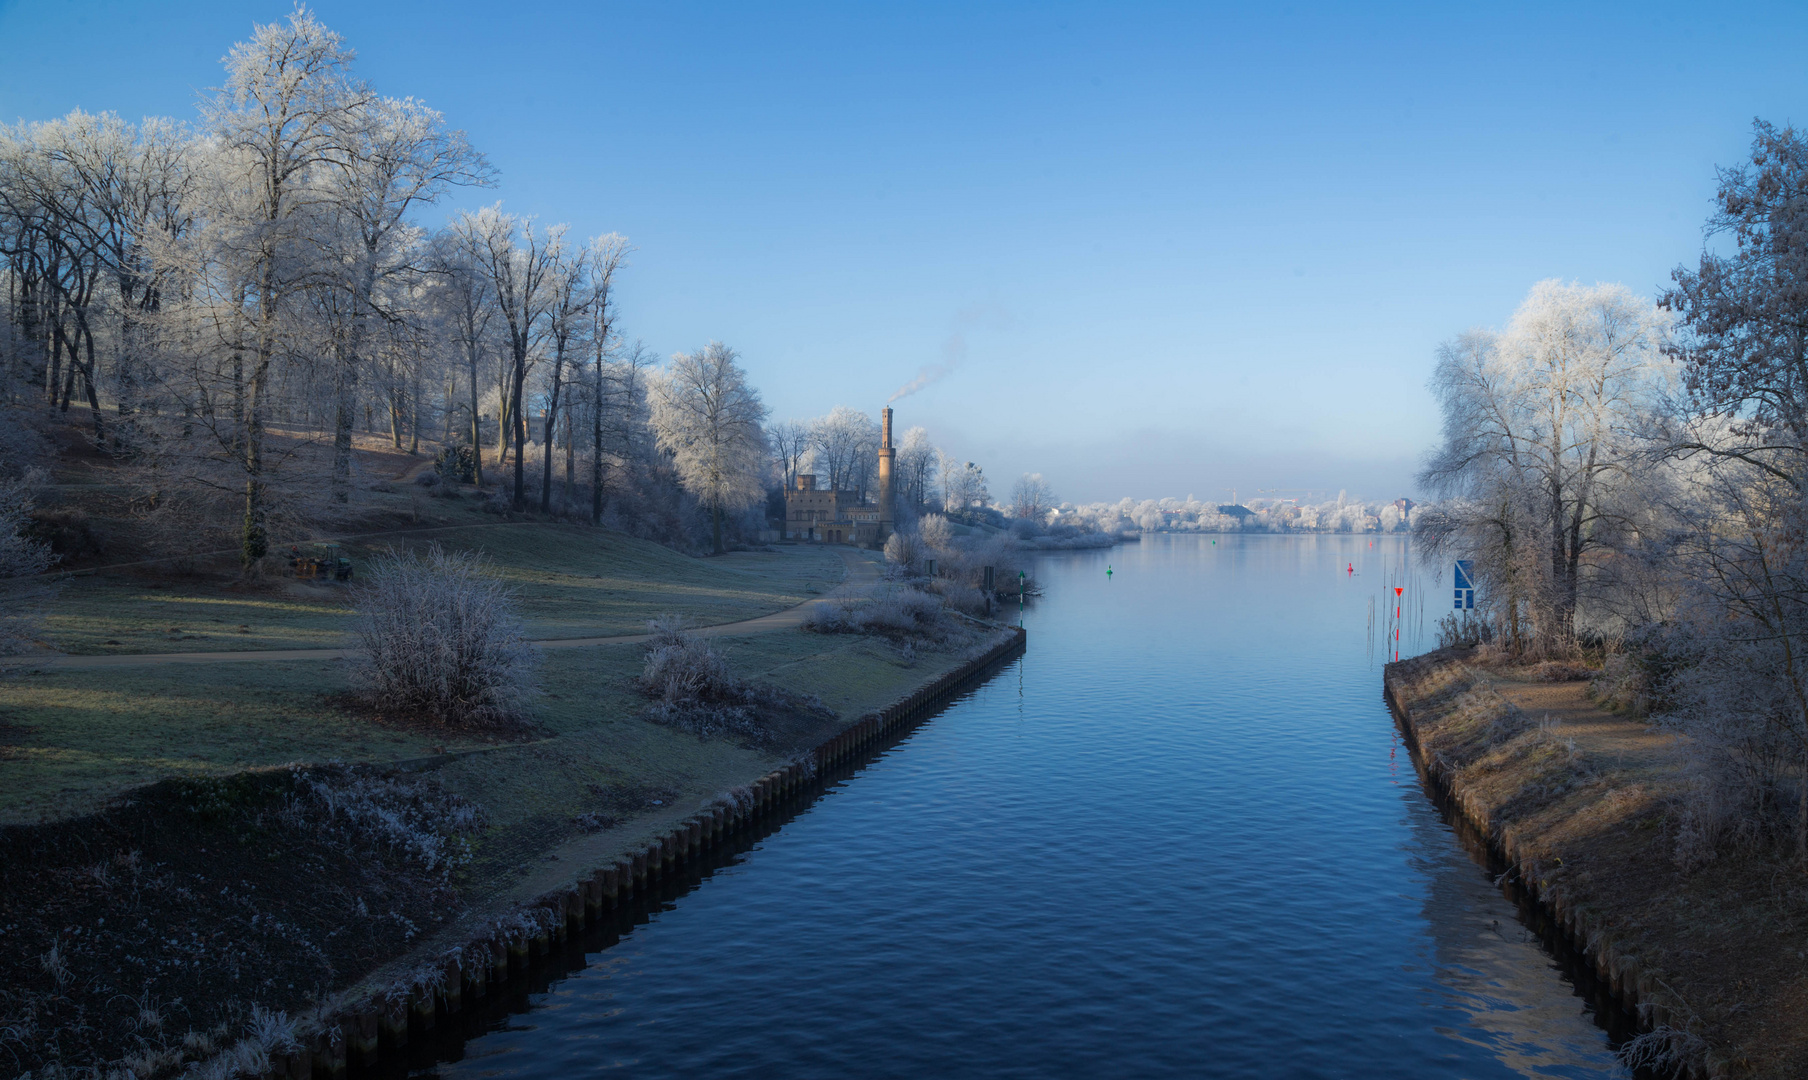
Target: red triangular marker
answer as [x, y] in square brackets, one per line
[1398, 589]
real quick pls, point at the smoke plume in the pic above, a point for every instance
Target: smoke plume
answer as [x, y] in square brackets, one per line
[954, 350]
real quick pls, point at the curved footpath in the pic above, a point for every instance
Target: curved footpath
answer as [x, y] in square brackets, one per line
[1577, 804]
[862, 575]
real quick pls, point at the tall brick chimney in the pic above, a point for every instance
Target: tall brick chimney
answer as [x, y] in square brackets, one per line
[887, 517]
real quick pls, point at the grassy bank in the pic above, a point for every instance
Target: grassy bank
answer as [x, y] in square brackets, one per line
[191, 847]
[571, 581]
[1577, 799]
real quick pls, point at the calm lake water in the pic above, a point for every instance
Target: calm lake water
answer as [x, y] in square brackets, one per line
[1180, 837]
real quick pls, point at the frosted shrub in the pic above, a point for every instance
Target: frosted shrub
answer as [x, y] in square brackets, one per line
[1464, 631]
[901, 614]
[694, 691]
[682, 668]
[960, 596]
[903, 553]
[935, 532]
[1744, 770]
[1623, 684]
[442, 637]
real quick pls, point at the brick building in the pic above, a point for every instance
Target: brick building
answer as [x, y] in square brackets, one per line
[840, 517]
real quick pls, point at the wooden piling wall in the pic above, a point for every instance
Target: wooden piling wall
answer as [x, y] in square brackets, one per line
[367, 1031]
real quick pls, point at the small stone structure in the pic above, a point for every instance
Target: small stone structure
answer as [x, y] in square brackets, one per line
[841, 517]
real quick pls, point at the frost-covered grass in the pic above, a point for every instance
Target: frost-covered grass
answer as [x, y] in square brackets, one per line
[570, 581]
[411, 816]
[71, 739]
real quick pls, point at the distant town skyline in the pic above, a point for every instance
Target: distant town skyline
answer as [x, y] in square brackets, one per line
[1144, 251]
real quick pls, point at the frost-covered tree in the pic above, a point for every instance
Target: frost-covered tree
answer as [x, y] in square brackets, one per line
[283, 122]
[1541, 464]
[521, 265]
[791, 442]
[846, 443]
[711, 421]
[396, 155]
[1741, 444]
[963, 487]
[1032, 498]
[916, 467]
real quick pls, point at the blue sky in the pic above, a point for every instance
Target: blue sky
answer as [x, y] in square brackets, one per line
[1167, 249]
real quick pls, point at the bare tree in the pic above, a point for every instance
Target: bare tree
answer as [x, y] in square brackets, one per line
[709, 419]
[844, 442]
[521, 266]
[397, 155]
[468, 300]
[791, 444]
[284, 116]
[608, 255]
[1032, 498]
[581, 306]
[22, 559]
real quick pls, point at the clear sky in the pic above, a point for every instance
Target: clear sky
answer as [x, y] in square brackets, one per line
[1160, 249]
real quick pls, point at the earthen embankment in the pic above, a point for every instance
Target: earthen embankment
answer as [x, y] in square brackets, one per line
[1576, 802]
[499, 941]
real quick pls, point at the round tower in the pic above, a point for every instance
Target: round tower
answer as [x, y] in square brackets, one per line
[887, 518]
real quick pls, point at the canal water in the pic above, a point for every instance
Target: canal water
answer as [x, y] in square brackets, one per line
[1179, 837]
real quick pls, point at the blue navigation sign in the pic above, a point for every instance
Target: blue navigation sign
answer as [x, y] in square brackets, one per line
[1465, 585]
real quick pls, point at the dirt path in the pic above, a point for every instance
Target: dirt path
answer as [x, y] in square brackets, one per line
[1629, 746]
[862, 575]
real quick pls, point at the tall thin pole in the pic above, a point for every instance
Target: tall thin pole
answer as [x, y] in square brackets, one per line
[1398, 589]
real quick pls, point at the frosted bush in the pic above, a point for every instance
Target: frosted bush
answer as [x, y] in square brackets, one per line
[694, 690]
[900, 614]
[904, 552]
[682, 668]
[935, 532]
[442, 637]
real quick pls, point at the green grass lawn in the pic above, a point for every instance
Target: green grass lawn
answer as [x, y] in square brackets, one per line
[572, 582]
[73, 738]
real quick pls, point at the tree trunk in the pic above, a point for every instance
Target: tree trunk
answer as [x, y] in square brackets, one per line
[596, 448]
[476, 426]
[520, 425]
[255, 536]
[716, 516]
[505, 424]
[552, 419]
[345, 416]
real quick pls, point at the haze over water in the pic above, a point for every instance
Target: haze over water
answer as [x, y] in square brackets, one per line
[1179, 837]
